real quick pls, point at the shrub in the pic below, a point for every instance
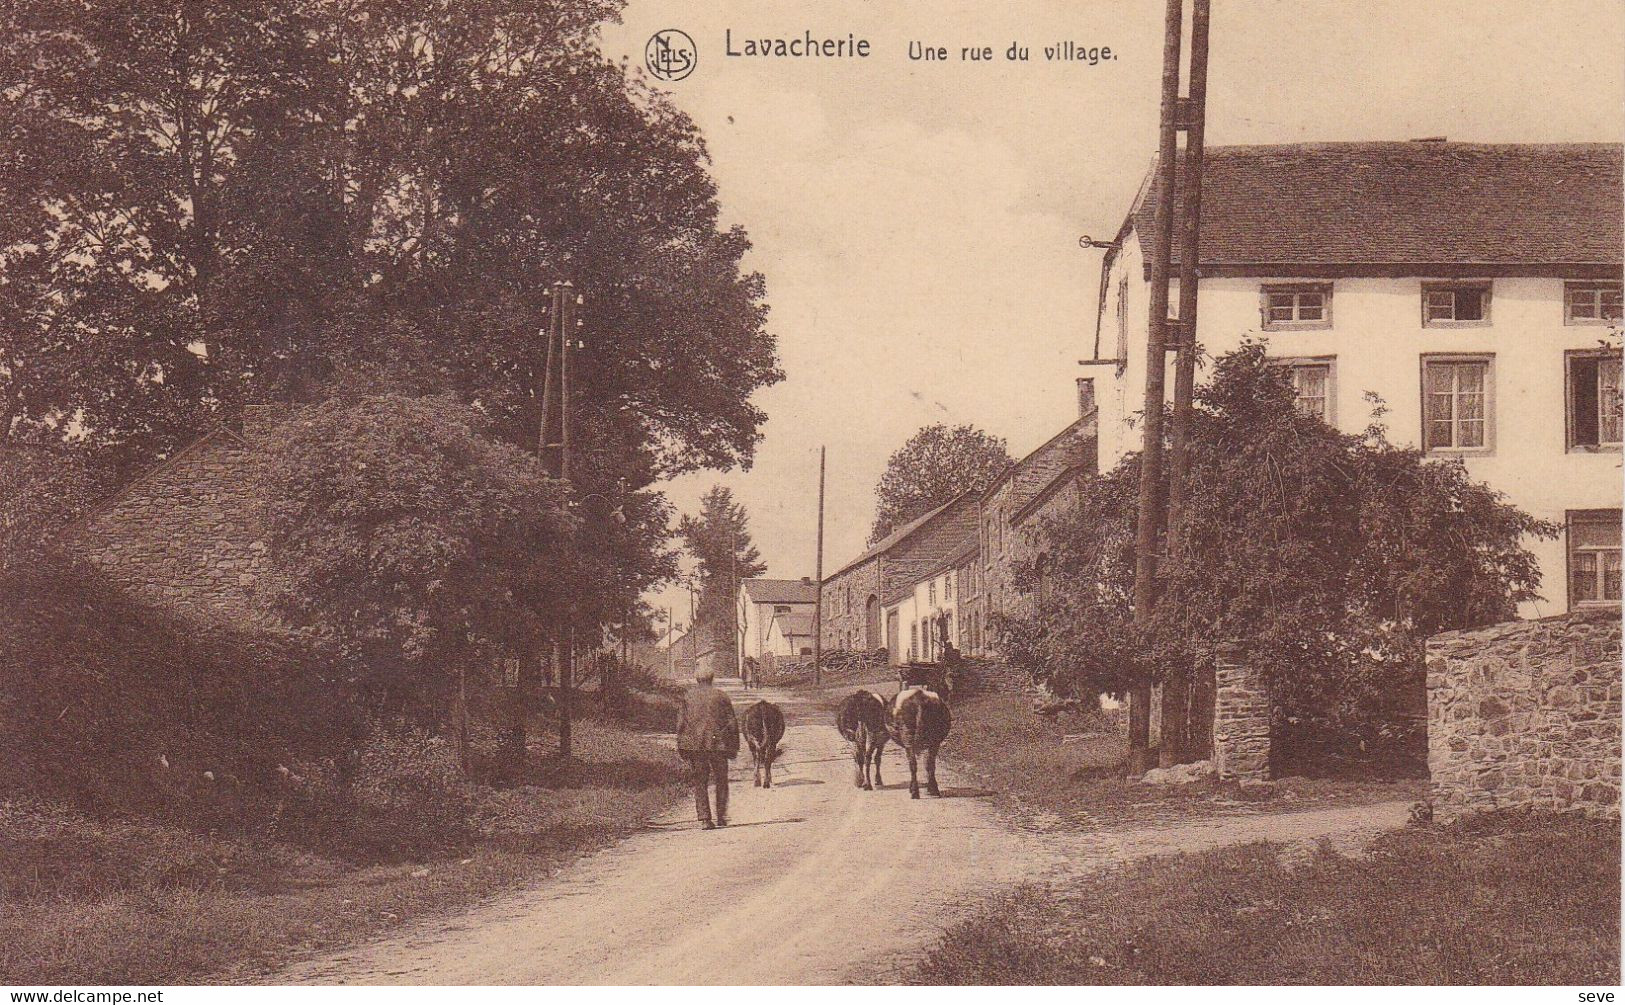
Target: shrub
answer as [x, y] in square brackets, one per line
[409, 795]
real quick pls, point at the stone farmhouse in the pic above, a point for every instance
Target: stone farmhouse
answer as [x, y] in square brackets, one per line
[937, 579]
[1475, 288]
[853, 594]
[184, 535]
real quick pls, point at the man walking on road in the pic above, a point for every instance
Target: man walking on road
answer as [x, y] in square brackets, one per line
[708, 738]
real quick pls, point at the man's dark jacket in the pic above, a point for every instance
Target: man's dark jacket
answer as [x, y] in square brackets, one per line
[707, 724]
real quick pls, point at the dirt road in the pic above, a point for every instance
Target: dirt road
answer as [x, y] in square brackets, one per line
[814, 882]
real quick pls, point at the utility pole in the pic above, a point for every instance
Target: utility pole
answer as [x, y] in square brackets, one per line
[1176, 115]
[1176, 691]
[818, 595]
[562, 335]
[671, 654]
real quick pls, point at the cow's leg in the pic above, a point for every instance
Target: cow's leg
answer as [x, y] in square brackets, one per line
[931, 770]
[913, 773]
[767, 768]
[879, 748]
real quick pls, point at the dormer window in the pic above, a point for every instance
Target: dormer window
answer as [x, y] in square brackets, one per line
[1446, 305]
[1291, 306]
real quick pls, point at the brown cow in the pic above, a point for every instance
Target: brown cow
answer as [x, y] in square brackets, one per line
[862, 721]
[763, 728]
[919, 722]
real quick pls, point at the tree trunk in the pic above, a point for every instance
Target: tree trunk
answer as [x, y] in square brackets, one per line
[1175, 746]
[1139, 730]
[566, 684]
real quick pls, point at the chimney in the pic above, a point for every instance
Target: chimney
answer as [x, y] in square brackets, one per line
[1086, 396]
[806, 579]
[260, 420]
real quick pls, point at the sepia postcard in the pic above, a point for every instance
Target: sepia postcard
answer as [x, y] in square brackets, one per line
[775, 493]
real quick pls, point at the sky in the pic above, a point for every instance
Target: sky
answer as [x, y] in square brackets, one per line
[917, 221]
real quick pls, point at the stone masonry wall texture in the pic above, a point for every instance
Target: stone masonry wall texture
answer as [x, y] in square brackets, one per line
[1241, 717]
[1526, 714]
[184, 536]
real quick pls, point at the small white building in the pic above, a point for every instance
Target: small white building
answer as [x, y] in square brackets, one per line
[1475, 288]
[790, 634]
[760, 601]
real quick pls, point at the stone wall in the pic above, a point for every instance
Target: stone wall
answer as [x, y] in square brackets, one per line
[1526, 714]
[1241, 717]
[184, 535]
[1037, 486]
[846, 596]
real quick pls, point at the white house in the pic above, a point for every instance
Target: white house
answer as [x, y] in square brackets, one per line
[927, 610]
[790, 634]
[760, 600]
[1475, 288]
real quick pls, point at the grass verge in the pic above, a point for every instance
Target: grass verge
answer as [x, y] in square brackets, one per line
[1067, 769]
[131, 901]
[1501, 899]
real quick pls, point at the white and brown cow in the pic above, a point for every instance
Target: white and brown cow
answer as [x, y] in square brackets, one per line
[861, 719]
[919, 722]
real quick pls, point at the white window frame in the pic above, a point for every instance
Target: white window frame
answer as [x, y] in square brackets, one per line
[1597, 288]
[1601, 446]
[1601, 551]
[1488, 362]
[1295, 363]
[1296, 291]
[1484, 285]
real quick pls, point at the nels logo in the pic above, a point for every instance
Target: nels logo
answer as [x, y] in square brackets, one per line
[670, 54]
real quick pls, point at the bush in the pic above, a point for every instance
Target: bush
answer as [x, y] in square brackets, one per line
[115, 707]
[409, 796]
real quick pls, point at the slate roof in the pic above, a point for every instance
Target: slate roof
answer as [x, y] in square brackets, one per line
[1406, 203]
[793, 626]
[781, 591]
[895, 538]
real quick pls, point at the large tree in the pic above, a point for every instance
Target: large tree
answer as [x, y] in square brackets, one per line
[719, 540]
[1331, 556]
[205, 204]
[404, 537]
[935, 465]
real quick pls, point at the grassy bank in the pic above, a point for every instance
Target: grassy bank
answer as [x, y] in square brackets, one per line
[1069, 769]
[1514, 899]
[134, 901]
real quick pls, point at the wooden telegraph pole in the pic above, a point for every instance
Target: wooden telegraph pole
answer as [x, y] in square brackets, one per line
[1176, 691]
[818, 594]
[562, 334]
[1177, 114]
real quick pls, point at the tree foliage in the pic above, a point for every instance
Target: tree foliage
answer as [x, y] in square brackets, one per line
[207, 204]
[719, 539]
[935, 465]
[1331, 557]
[402, 535]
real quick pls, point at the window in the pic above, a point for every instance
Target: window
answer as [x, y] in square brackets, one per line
[1042, 570]
[1591, 303]
[1455, 304]
[1456, 403]
[1312, 387]
[1593, 557]
[1298, 306]
[931, 593]
[913, 639]
[948, 587]
[1595, 405]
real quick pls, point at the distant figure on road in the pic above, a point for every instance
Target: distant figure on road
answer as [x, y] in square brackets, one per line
[708, 738]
